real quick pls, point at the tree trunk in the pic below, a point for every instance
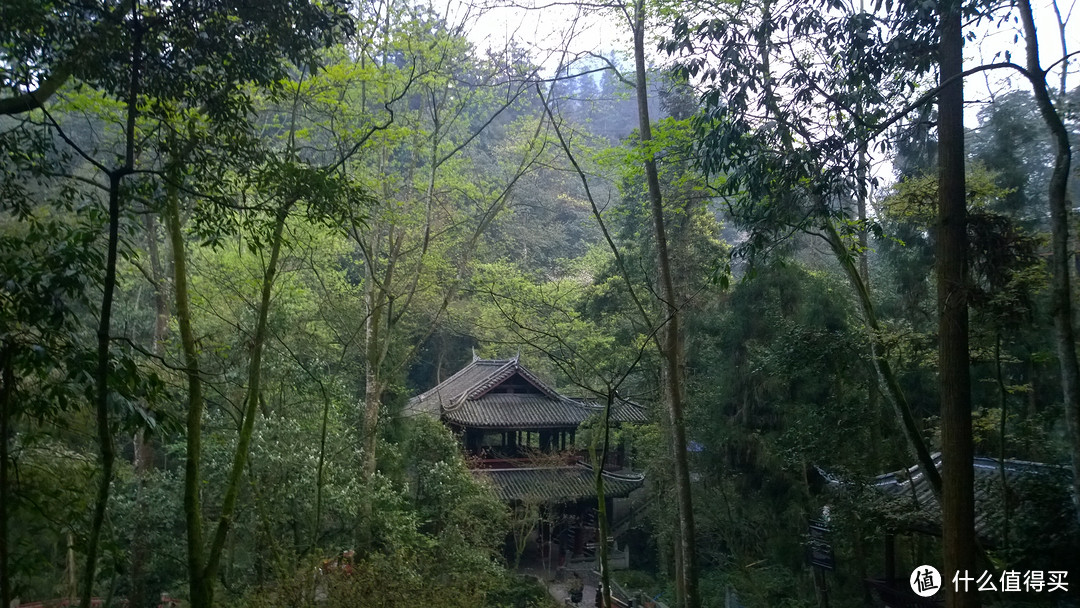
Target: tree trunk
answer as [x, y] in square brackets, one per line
[101, 374]
[672, 351]
[1003, 394]
[197, 589]
[320, 481]
[1063, 38]
[873, 396]
[954, 374]
[236, 473]
[101, 391]
[143, 458]
[601, 500]
[202, 564]
[372, 399]
[885, 374]
[1060, 289]
[372, 392]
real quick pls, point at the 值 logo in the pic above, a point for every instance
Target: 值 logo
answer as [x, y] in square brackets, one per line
[925, 581]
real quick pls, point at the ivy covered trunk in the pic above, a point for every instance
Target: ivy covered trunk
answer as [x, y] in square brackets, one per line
[203, 562]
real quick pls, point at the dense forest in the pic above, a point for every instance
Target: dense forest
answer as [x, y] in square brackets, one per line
[236, 239]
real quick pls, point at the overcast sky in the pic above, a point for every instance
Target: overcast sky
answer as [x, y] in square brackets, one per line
[547, 30]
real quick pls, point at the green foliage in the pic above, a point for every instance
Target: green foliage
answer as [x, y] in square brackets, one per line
[778, 386]
[761, 585]
[438, 536]
[397, 578]
[552, 318]
[1007, 278]
[636, 579]
[449, 502]
[519, 592]
[51, 499]
[1030, 521]
[416, 183]
[177, 63]
[50, 259]
[150, 506]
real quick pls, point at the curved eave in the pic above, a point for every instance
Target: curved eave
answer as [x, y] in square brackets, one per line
[555, 484]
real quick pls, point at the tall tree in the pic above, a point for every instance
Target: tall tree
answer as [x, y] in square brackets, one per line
[781, 171]
[48, 362]
[136, 51]
[954, 372]
[127, 48]
[1060, 289]
[673, 351]
[428, 219]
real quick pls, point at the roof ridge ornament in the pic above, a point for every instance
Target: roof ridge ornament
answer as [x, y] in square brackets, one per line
[482, 386]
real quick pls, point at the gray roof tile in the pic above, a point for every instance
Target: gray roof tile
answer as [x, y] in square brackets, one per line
[467, 399]
[555, 484]
[909, 489]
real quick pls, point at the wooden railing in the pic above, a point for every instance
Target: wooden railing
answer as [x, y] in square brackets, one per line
[508, 462]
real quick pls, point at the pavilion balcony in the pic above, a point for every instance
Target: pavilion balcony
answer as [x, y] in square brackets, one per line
[523, 460]
[510, 458]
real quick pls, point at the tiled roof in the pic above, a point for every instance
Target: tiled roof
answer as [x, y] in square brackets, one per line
[467, 398]
[503, 374]
[516, 410]
[555, 484]
[623, 411]
[457, 386]
[911, 491]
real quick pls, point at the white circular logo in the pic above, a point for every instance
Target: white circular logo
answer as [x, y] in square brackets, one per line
[925, 581]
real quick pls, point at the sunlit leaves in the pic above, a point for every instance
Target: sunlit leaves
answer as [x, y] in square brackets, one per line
[788, 92]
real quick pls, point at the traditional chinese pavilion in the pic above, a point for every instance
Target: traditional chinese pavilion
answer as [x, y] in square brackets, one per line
[905, 502]
[519, 434]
